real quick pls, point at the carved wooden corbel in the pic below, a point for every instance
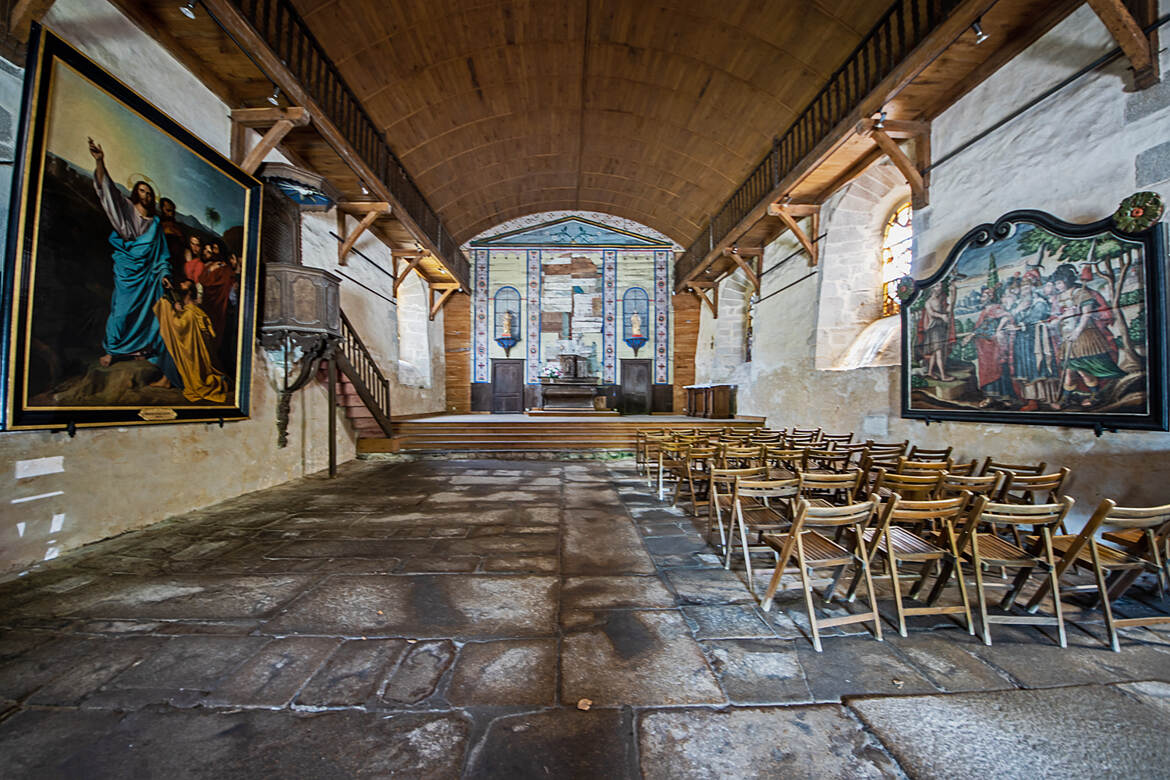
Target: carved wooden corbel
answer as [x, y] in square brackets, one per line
[1131, 38]
[277, 121]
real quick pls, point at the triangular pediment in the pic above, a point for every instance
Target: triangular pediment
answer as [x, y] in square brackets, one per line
[571, 232]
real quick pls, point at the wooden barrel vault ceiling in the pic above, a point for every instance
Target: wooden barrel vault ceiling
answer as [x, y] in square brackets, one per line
[654, 111]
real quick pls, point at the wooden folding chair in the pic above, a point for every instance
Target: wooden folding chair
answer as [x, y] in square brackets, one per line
[887, 450]
[699, 462]
[856, 452]
[965, 468]
[647, 458]
[816, 551]
[921, 453]
[830, 439]
[672, 463]
[761, 505]
[815, 433]
[989, 549]
[991, 465]
[1033, 489]
[721, 491]
[826, 460]
[953, 484]
[912, 487]
[783, 462]
[745, 456]
[1084, 551]
[909, 466]
[900, 545]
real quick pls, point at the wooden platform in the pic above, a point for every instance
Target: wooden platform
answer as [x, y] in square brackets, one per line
[572, 413]
[517, 432]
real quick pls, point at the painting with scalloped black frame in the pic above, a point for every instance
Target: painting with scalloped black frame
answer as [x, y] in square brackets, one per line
[1039, 321]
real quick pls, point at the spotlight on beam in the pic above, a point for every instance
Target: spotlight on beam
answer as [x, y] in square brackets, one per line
[274, 98]
[188, 10]
[980, 36]
[880, 124]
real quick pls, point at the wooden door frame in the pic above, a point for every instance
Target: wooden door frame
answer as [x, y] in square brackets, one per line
[494, 362]
[649, 383]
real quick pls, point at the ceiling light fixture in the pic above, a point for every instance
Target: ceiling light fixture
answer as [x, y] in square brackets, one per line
[880, 124]
[980, 36]
[364, 190]
[274, 98]
[188, 10]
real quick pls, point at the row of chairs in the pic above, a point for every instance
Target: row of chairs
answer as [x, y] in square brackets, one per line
[829, 503]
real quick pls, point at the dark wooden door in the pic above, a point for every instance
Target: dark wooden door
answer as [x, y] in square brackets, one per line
[635, 387]
[507, 386]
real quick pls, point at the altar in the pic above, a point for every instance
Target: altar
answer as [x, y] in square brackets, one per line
[575, 388]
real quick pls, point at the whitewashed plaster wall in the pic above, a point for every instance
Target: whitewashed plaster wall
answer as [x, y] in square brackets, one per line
[111, 480]
[1077, 156]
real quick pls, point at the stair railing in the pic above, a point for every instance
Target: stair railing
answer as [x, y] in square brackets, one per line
[355, 361]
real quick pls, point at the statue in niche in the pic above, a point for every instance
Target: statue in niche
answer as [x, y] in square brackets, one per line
[509, 323]
[635, 324]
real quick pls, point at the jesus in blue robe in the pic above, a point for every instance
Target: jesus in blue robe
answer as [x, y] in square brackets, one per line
[141, 260]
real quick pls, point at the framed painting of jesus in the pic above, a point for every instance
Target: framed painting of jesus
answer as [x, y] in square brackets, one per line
[1035, 320]
[131, 267]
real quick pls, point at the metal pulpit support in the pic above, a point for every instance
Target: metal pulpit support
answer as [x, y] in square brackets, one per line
[302, 325]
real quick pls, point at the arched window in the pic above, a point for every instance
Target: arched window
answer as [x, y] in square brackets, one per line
[635, 318]
[507, 318]
[896, 255]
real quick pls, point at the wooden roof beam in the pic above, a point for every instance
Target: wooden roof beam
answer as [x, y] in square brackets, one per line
[277, 123]
[1131, 38]
[411, 265]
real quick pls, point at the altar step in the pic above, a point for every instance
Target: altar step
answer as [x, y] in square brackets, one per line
[533, 434]
[572, 413]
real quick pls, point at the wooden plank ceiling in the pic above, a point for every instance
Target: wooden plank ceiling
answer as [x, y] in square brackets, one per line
[650, 111]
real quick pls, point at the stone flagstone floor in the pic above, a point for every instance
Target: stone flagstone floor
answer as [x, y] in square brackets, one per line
[444, 619]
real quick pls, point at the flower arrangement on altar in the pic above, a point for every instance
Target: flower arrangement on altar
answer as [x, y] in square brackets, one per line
[551, 372]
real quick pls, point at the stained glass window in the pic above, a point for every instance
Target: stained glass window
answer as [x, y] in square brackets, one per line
[896, 255]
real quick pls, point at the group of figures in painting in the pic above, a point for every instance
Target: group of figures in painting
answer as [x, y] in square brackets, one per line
[175, 291]
[1034, 322]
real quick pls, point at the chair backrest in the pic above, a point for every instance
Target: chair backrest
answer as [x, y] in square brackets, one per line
[769, 488]
[771, 436]
[908, 466]
[990, 485]
[844, 483]
[724, 481]
[1143, 518]
[914, 487]
[1038, 515]
[991, 464]
[804, 440]
[921, 453]
[900, 510]
[701, 457]
[785, 457]
[858, 515]
[828, 460]
[814, 432]
[1030, 487]
[887, 449]
[836, 438]
[964, 469]
[742, 456]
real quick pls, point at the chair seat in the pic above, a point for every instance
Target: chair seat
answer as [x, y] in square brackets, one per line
[1128, 538]
[994, 550]
[906, 544]
[1110, 558]
[818, 549]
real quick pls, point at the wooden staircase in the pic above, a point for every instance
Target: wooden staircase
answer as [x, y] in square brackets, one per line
[362, 390]
[533, 435]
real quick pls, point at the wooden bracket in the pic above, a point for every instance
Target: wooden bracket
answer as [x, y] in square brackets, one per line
[740, 256]
[279, 122]
[697, 289]
[788, 217]
[448, 289]
[920, 195]
[411, 265]
[1131, 38]
[23, 14]
[370, 213]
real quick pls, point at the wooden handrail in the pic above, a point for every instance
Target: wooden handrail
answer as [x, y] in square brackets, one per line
[355, 361]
